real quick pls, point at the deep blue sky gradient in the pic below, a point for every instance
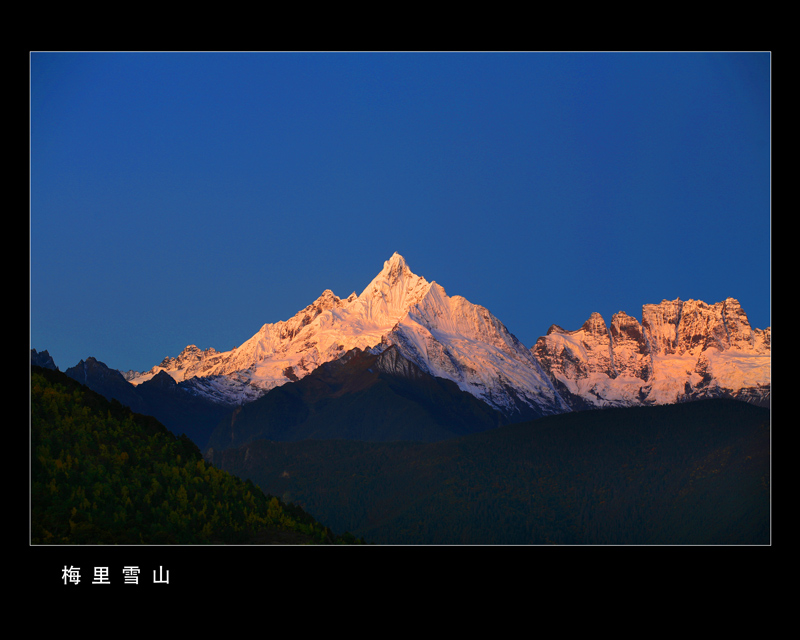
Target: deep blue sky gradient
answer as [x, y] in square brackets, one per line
[189, 198]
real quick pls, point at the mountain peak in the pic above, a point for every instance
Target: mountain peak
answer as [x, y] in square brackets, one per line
[395, 286]
[327, 300]
[43, 360]
[595, 325]
[395, 268]
[678, 346]
[396, 259]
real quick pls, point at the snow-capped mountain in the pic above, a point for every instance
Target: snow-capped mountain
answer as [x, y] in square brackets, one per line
[445, 336]
[680, 351]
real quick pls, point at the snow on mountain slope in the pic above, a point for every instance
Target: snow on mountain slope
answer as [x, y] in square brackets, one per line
[583, 365]
[682, 350]
[451, 338]
[447, 337]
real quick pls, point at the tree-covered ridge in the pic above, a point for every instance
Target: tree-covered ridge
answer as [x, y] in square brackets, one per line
[695, 473]
[101, 474]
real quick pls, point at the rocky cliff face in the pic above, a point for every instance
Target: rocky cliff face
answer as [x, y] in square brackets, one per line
[630, 348]
[682, 350]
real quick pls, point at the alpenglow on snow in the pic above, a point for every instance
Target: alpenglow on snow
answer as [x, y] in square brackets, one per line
[449, 337]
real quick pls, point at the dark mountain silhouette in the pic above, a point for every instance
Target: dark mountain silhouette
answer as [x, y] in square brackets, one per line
[43, 359]
[361, 396]
[108, 382]
[160, 397]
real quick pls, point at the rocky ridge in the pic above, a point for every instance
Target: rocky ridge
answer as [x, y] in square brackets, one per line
[444, 336]
[679, 351]
[682, 350]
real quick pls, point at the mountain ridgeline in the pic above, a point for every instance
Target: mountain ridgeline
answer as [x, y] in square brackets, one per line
[160, 397]
[691, 473]
[102, 474]
[405, 416]
[680, 351]
[361, 396]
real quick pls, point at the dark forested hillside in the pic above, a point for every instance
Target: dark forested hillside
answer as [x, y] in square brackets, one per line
[170, 403]
[693, 473]
[101, 474]
[362, 396]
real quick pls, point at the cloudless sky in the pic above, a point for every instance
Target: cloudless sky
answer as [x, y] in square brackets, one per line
[190, 198]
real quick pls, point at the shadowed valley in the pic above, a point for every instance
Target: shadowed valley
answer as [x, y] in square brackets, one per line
[693, 473]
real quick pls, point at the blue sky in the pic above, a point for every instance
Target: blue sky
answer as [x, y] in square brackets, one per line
[189, 198]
